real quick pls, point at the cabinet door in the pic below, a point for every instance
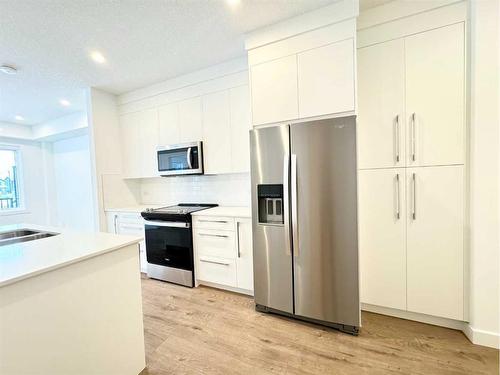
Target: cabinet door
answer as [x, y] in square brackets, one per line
[244, 260]
[190, 120]
[274, 90]
[326, 79]
[148, 136]
[381, 118]
[435, 241]
[382, 238]
[168, 119]
[132, 159]
[239, 104]
[435, 96]
[216, 133]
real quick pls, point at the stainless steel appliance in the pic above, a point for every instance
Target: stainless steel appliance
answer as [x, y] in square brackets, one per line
[304, 210]
[180, 159]
[169, 242]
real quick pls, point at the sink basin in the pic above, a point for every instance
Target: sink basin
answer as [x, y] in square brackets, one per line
[23, 235]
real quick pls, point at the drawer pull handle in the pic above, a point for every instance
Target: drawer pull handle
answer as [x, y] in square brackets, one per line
[213, 221]
[213, 235]
[214, 262]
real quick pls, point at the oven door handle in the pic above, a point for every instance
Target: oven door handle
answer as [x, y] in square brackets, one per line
[172, 224]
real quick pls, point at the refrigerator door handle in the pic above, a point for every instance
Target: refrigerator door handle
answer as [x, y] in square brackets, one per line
[286, 203]
[295, 228]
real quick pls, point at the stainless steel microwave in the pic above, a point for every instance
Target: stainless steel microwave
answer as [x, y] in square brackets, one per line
[180, 159]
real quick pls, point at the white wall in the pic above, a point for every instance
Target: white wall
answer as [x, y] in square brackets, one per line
[34, 184]
[10, 130]
[62, 127]
[225, 190]
[73, 183]
[485, 173]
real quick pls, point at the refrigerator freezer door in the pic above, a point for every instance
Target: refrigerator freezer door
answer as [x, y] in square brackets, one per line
[326, 280]
[271, 240]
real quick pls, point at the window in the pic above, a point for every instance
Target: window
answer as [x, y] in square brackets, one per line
[10, 189]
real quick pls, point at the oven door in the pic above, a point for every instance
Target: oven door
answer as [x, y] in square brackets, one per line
[169, 244]
[185, 158]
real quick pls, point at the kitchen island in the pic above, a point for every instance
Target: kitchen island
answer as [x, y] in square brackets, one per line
[70, 303]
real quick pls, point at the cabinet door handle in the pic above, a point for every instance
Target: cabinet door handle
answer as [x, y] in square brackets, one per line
[413, 137]
[398, 210]
[213, 221]
[214, 262]
[238, 238]
[414, 203]
[213, 235]
[396, 139]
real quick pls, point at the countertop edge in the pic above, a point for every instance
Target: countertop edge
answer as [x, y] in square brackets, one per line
[68, 262]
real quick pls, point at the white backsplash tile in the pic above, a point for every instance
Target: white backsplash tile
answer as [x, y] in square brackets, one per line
[225, 190]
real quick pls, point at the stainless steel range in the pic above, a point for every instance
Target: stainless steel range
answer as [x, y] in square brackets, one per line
[169, 242]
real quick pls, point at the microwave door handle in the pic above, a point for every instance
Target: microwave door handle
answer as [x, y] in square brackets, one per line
[188, 156]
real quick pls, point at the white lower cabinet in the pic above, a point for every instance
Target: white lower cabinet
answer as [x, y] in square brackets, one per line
[413, 261]
[435, 241]
[129, 223]
[382, 237]
[223, 252]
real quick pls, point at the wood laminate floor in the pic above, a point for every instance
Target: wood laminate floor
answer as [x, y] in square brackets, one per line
[209, 331]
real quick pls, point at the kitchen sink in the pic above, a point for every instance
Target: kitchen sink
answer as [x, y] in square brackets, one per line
[23, 235]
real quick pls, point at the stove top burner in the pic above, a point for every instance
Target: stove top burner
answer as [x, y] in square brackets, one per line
[181, 210]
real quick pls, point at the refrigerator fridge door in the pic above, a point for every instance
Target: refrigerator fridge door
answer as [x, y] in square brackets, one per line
[324, 221]
[270, 148]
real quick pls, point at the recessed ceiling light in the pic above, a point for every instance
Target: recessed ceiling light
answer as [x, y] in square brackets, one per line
[19, 118]
[7, 69]
[233, 3]
[65, 102]
[98, 57]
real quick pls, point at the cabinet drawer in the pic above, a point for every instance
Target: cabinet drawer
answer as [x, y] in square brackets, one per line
[217, 270]
[130, 217]
[214, 222]
[216, 243]
[132, 229]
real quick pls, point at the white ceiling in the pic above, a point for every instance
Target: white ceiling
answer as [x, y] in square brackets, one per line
[144, 42]
[368, 4]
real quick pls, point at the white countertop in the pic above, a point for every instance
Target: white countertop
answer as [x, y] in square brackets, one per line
[26, 259]
[225, 211]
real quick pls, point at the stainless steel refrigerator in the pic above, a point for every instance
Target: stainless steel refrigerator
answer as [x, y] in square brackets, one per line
[304, 213]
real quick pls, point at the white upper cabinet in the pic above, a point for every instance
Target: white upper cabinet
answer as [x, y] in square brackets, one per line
[381, 118]
[435, 241]
[382, 237]
[129, 130]
[169, 129]
[190, 120]
[435, 96]
[239, 105]
[148, 141]
[274, 90]
[216, 133]
[326, 79]
[139, 132]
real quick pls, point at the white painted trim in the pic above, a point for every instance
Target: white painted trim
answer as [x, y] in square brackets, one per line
[207, 74]
[476, 336]
[408, 315]
[334, 13]
[413, 24]
[224, 287]
[396, 10]
[480, 337]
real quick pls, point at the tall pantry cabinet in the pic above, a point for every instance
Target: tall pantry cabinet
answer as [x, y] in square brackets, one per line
[411, 155]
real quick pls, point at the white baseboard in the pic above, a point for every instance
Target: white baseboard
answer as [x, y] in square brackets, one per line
[480, 337]
[225, 287]
[476, 336]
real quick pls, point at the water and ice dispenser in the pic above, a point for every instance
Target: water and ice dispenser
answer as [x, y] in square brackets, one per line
[270, 198]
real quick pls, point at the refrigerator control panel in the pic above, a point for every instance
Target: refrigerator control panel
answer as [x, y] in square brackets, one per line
[270, 200]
